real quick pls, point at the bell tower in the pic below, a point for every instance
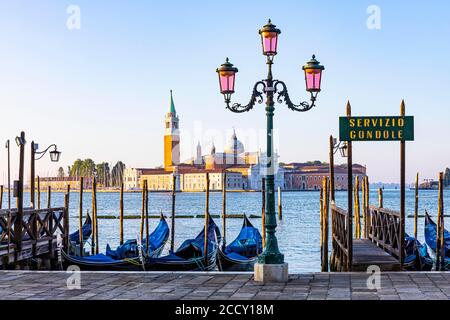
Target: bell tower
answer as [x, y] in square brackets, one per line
[171, 138]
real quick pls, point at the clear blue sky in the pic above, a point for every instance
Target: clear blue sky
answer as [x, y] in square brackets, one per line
[102, 91]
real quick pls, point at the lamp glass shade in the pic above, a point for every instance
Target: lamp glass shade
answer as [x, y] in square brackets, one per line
[227, 76]
[54, 155]
[226, 80]
[313, 75]
[313, 78]
[269, 42]
[343, 151]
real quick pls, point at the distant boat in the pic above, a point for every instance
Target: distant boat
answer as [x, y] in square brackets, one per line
[242, 253]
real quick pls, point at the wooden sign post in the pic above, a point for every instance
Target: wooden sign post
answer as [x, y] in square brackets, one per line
[378, 129]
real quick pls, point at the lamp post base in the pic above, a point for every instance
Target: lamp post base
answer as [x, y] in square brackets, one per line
[271, 272]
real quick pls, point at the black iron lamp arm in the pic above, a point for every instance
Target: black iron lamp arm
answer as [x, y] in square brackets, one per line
[257, 97]
[336, 147]
[42, 153]
[283, 95]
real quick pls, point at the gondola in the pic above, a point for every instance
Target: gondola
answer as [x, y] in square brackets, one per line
[127, 256]
[416, 257]
[87, 231]
[430, 239]
[242, 253]
[190, 255]
[74, 243]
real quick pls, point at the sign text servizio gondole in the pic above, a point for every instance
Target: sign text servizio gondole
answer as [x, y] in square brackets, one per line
[376, 128]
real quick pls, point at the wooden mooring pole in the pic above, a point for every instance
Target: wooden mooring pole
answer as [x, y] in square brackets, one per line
[326, 206]
[224, 209]
[38, 192]
[205, 243]
[416, 205]
[263, 212]
[49, 196]
[80, 217]
[32, 169]
[172, 216]
[144, 187]
[363, 206]
[147, 240]
[367, 197]
[322, 258]
[349, 197]
[380, 197]
[121, 214]
[280, 206]
[402, 191]
[440, 241]
[66, 219]
[332, 193]
[1, 196]
[94, 215]
[94, 222]
[357, 211]
[324, 211]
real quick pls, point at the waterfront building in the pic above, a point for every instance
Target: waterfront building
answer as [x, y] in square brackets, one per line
[307, 176]
[60, 183]
[131, 177]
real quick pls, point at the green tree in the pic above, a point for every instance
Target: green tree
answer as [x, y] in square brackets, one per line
[75, 169]
[117, 173]
[103, 174]
[88, 168]
[61, 172]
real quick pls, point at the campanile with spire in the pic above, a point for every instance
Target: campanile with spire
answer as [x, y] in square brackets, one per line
[171, 138]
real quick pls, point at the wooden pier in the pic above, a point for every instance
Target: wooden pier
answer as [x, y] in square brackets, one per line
[381, 248]
[31, 234]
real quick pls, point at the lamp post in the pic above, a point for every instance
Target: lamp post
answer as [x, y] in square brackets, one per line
[20, 141]
[8, 147]
[37, 155]
[270, 266]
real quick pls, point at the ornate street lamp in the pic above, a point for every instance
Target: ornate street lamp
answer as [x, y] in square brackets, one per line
[54, 154]
[269, 87]
[37, 155]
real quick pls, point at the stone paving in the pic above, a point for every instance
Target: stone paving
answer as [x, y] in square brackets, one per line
[52, 285]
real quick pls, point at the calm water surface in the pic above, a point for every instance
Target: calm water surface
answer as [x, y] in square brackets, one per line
[298, 234]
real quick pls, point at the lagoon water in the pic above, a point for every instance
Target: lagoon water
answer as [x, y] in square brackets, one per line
[298, 234]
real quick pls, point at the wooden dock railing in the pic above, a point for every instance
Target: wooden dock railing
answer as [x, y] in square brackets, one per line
[38, 232]
[384, 234]
[384, 230]
[342, 247]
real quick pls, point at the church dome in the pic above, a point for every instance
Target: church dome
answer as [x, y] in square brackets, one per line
[234, 146]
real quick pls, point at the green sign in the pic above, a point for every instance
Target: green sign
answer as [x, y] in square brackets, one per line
[376, 128]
